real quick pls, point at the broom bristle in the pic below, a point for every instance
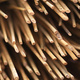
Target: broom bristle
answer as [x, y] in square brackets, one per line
[38, 38]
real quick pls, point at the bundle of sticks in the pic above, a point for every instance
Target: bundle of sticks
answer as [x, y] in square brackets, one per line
[38, 38]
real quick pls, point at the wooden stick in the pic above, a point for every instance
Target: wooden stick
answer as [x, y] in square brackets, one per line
[76, 52]
[60, 22]
[49, 4]
[41, 52]
[11, 30]
[73, 20]
[10, 63]
[4, 58]
[34, 76]
[18, 33]
[57, 55]
[43, 8]
[21, 49]
[3, 14]
[28, 31]
[53, 75]
[58, 47]
[63, 16]
[36, 53]
[55, 69]
[0, 67]
[39, 8]
[15, 47]
[42, 43]
[71, 54]
[15, 7]
[25, 64]
[5, 76]
[1, 77]
[64, 50]
[67, 10]
[71, 76]
[46, 22]
[26, 18]
[79, 1]
[78, 6]
[32, 19]
[50, 54]
[46, 34]
[34, 67]
[61, 69]
[59, 6]
[66, 30]
[76, 46]
[54, 1]
[74, 1]
[3, 24]
[44, 76]
[75, 10]
[20, 25]
[20, 69]
[27, 6]
[35, 27]
[36, 2]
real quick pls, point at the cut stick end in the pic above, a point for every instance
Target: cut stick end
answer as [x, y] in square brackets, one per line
[62, 77]
[40, 10]
[66, 18]
[54, 58]
[21, 43]
[16, 50]
[37, 73]
[6, 16]
[1, 71]
[74, 26]
[63, 55]
[52, 7]
[69, 34]
[60, 25]
[65, 63]
[23, 54]
[13, 42]
[31, 13]
[51, 41]
[46, 13]
[68, 11]
[6, 40]
[28, 22]
[67, 76]
[33, 43]
[44, 58]
[72, 77]
[30, 70]
[55, 78]
[33, 21]
[44, 63]
[36, 30]
[36, 4]
[78, 55]
[16, 78]
[75, 59]
[5, 63]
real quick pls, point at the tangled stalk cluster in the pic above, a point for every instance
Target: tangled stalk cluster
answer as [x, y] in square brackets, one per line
[42, 32]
